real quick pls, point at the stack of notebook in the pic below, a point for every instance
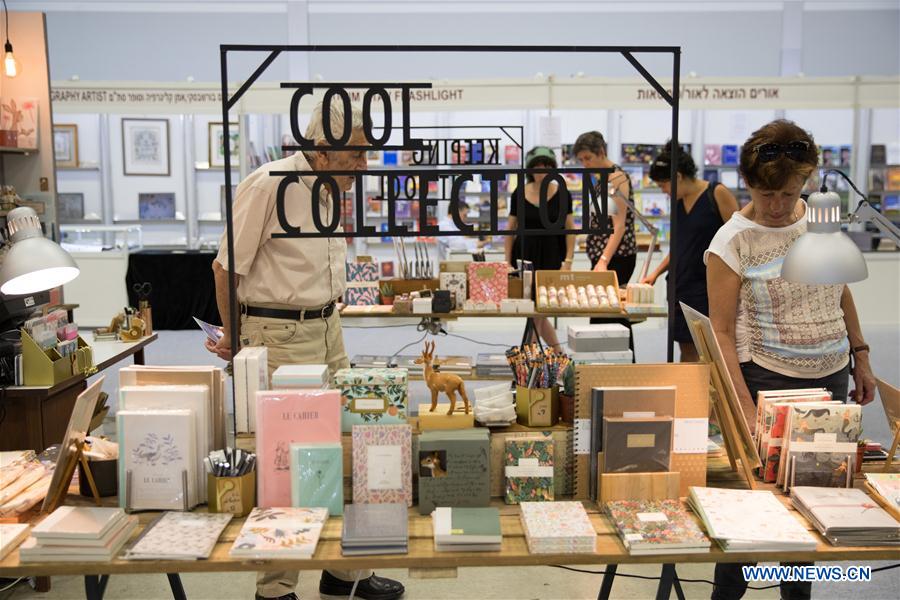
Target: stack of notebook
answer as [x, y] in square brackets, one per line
[280, 533]
[656, 527]
[749, 521]
[886, 488]
[11, 535]
[79, 534]
[179, 536]
[466, 529]
[375, 529]
[557, 528]
[370, 361]
[846, 517]
[492, 365]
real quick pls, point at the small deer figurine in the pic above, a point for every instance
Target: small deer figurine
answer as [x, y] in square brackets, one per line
[441, 382]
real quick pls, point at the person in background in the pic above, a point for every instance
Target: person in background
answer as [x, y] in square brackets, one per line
[457, 243]
[547, 252]
[287, 289]
[616, 251]
[776, 334]
[702, 208]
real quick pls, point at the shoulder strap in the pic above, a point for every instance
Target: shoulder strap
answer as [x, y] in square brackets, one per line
[711, 190]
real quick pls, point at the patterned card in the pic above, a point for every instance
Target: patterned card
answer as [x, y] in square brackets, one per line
[362, 284]
[488, 281]
[456, 284]
[820, 423]
[381, 464]
[648, 524]
[156, 447]
[557, 526]
[280, 533]
[285, 417]
[179, 535]
[529, 470]
[821, 469]
[372, 396]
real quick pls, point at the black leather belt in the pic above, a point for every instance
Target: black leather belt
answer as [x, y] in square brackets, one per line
[290, 315]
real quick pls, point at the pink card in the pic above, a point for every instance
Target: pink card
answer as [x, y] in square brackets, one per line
[284, 417]
[488, 281]
[382, 472]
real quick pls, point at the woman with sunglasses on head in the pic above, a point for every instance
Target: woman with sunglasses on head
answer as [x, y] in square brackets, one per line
[776, 334]
[547, 252]
[702, 208]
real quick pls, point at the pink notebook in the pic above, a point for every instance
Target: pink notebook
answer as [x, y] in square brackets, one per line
[284, 417]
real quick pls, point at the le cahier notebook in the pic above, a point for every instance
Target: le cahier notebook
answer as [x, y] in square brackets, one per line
[637, 445]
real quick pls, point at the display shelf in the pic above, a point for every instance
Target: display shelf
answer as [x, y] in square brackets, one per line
[16, 150]
[149, 221]
[83, 168]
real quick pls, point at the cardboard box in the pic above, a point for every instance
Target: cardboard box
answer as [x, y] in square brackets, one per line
[439, 419]
[372, 396]
[537, 407]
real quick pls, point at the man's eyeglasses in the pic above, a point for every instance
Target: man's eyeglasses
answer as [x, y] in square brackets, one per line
[793, 150]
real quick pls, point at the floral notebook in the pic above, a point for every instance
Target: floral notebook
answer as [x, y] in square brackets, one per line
[280, 533]
[529, 469]
[382, 471]
[656, 526]
[179, 536]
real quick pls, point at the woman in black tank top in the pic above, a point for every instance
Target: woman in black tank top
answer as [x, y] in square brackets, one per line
[702, 208]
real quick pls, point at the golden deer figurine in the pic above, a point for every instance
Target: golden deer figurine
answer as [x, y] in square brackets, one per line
[441, 382]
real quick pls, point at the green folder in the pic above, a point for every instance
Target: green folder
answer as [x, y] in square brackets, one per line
[317, 477]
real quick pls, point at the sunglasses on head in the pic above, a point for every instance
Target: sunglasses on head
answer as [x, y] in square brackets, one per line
[793, 150]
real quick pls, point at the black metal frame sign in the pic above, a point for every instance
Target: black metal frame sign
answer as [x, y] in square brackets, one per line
[382, 95]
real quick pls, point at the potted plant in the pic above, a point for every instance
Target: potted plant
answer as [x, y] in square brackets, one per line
[860, 452]
[387, 293]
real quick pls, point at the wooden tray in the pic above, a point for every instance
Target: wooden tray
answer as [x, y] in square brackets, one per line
[578, 278]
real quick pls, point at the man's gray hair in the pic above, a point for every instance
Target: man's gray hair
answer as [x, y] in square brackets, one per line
[315, 131]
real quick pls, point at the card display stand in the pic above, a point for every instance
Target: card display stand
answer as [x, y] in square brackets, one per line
[48, 367]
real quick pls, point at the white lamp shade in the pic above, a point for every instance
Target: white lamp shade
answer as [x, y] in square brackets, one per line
[824, 259]
[35, 264]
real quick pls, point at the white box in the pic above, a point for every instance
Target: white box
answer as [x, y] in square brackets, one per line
[298, 377]
[524, 306]
[599, 358]
[251, 375]
[421, 306]
[509, 305]
[604, 337]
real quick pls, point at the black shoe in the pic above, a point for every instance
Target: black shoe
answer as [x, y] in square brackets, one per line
[291, 596]
[373, 588]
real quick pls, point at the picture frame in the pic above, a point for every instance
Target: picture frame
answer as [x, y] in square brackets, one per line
[65, 145]
[156, 206]
[70, 206]
[216, 144]
[145, 147]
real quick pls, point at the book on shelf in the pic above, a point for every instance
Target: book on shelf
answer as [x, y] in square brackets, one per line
[317, 476]
[656, 527]
[846, 516]
[179, 536]
[460, 529]
[375, 529]
[101, 538]
[280, 533]
[453, 468]
[557, 528]
[749, 520]
[381, 464]
[529, 469]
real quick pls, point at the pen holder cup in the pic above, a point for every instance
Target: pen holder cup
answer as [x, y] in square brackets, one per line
[106, 478]
[537, 407]
[235, 495]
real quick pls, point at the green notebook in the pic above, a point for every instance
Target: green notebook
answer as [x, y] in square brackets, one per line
[317, 477]
[467, 525]
[454, 468]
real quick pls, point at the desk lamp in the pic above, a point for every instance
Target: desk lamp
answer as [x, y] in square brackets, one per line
[825, 254]
[33, 263]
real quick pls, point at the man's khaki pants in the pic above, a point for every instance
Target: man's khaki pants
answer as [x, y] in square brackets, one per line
[313, 341]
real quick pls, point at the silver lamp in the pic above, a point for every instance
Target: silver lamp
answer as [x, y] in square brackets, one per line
[825, 254]
[33, 263]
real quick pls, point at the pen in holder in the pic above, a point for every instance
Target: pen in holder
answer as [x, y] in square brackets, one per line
[231, 481]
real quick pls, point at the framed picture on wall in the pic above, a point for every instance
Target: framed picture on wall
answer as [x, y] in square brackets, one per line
[70, 206]
[65, 145]
[217, 145]
[223, 199]
[156, 207]
[145, 146]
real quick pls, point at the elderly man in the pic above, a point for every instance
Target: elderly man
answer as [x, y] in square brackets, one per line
[287, 290]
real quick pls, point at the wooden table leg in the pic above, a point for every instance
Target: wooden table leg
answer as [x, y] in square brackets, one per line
[609, 576]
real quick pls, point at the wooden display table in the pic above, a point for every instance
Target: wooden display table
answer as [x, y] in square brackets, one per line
[422, 554]
[37, 416]
[635, 314]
